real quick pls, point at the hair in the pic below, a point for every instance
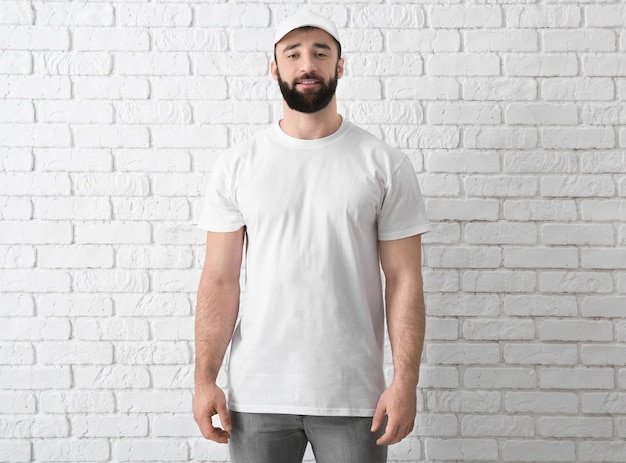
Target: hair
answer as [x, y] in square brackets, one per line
[308, 28]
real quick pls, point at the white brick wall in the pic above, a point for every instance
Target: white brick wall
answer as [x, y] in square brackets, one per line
[514, 115]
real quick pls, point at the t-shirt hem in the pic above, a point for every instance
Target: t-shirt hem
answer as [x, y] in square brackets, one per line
[396, 235]
[219, 228]
[314, 411]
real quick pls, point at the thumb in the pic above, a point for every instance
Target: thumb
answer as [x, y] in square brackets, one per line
[224, 417]
[379, 416]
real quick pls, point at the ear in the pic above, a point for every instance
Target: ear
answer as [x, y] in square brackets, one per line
[340, 68]
[274, 70]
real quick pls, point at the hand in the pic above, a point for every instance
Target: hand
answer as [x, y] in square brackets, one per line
[210, 400]
[399, 404]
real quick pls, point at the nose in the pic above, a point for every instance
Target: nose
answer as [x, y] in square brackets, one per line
[307, 64]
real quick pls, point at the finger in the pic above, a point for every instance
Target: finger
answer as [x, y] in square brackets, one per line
[390, 435]
[222, 411]
[379, 416]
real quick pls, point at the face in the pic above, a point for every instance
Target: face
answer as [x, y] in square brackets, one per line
[307, 68]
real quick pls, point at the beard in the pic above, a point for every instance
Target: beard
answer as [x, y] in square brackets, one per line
[312, 101]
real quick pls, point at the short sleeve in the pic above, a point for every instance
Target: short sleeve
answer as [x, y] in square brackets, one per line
[219, 211]
[403, 212]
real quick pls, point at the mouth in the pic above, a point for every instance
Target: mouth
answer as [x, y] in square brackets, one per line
[308, 83]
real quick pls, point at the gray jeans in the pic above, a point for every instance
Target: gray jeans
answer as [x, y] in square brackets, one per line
[274, 438]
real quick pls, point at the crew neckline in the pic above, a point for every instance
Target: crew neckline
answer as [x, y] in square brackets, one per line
[314, 143]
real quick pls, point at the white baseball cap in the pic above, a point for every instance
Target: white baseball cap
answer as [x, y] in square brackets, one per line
[305, 18]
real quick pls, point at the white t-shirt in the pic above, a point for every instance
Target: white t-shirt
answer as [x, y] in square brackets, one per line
[310, 336]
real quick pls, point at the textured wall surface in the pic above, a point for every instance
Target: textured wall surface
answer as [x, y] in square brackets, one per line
[514, 115]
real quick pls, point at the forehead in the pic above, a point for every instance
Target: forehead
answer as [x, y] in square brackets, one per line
[306, 36]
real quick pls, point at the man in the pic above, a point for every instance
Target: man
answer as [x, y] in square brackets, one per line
[320, 205]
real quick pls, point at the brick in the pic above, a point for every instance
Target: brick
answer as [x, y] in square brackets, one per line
[424, 41]
[388, 63]
[463, 209]
[466, 257]
[33, 329]
[463, 65]
[603, 354]
[261, 39]
[21, 135]
[74, 305]
[575, 282]
[177, 377]
[496, 89]
[113, 184]
[578, 186]
[189, 39]
[541, 402]
[24, 426]
[605, 16]
[463, 305]
[73, 401]
[185, 185]
[540, 354]
[603, 210]
[113, 329]
[464, 17]
[500, 137]
[16, 159]
[110, 39]
[246, 88]
[589, 40]
[543, 16]
[462, 354]
[103, 281]
[73, 449]
[510, 40]
[134, 208]
[541, 65]
[440, 329]
[464, 113]
[392, 112]
[157, 15]
[175, 401]
[540, 210]
[500, 186]
[447, 161]
[420, 137]
[500, 233]
[75, 14]
[604, 451]
[604, 402]
[77, 208]
[487, 329]
[578, 234]
[608, 258]
[173, 329]
[13, 256]
[537, 450]
[75, 257]
[74, 353]
[74, 160]
[153, 258]
[541, 114]
[463, 401]
[153, 449]
[114, 136]
[603, 306]
[232, 15]
[35, 232]
[156, 64]
[445, 281]
[15, 450]
[35, 378]
[429, 88]
[603, 162]
[111, 87]
[35, 281]
[459, 449]
[189, 137]
[17, 13]
[575, 330]
[604, 114]
[352, 41]
[34, 38]
[227, 63]
[18, 305]
[578, 89]
[524, 257]
[149, 160]
[540, 305]
[113, 232]
[16, 353]
[114, 426]
[111, 377]
[16, 111]
[191, 88]
[576, 378]
[73, 63]
[604, 65]
[214, 112]
[440, 185]
[36, 184]
[142, 305]
[510, 426]
[149, 353]
[85, 112]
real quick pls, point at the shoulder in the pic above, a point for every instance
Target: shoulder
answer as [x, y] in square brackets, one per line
[236, 154]
[374, 146]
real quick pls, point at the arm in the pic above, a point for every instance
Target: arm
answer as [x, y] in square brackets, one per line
[216, 315]
[406, 321]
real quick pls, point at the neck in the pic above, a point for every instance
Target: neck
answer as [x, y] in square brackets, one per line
[310, 126]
